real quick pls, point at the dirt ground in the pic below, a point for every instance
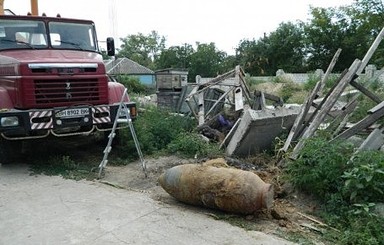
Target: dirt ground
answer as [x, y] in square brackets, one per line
[290, 218]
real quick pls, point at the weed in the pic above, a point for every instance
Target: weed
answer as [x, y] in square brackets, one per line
[155, 129]
[191, 144]
[64, 166]
[364, 182]
[319, 168]
[347, 188]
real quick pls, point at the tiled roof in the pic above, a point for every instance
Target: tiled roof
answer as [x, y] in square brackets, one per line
[126, 66]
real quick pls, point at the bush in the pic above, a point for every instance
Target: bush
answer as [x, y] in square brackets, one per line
[364, 182]
[288, 90]
[320, 167]
[348, 189]
[155, 129]
[191, 144]
[132, 84]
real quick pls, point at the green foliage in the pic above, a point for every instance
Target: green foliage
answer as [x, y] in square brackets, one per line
[155, 129]
[206, 61]
[320, 167]
[347, 189]
[63, 165]
[311, 82]
[191, 144]
[175, 57]
[288, 90]
[362, 229]
[143, 49]
[364, 182]
[133, 84]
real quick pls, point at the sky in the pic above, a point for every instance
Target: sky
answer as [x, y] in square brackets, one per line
[223, 22]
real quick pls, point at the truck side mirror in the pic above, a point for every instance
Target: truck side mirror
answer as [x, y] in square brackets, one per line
[110, 46]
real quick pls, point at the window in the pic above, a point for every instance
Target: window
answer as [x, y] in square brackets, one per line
[22, 34]
[72, 36]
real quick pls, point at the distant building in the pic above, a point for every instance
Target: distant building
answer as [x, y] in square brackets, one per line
[171, 89]
[171, 79]
[125, 66]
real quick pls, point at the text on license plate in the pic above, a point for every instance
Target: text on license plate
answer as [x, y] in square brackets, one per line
[78, 112]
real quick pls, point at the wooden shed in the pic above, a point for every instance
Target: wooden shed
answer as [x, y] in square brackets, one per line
[171, 79]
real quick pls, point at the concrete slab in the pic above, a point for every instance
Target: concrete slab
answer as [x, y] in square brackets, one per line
[258, 129]
[51, 210]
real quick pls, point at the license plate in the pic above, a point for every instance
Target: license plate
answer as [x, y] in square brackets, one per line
[78, 112]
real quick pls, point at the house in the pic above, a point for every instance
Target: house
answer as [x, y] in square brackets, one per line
[125, 66]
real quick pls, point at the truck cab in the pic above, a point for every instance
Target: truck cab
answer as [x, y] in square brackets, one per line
[53, 80]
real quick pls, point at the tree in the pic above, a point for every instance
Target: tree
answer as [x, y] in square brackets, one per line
[324, 34]
[207, 61]
[252, 57]
[175, 57]
[285, 48]
[143, 49]
[366, 21]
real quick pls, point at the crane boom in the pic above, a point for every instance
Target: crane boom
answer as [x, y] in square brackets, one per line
[34, 7]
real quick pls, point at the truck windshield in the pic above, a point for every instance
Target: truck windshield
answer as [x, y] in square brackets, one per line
[33, 34]
[72, 36]
[22, 34]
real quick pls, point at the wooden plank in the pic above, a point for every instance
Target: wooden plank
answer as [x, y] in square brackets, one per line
[214, 81]
[375, 108]
[327, 107]
[374, 140]
[201, 108]
[330, 68]
[217, 102]
[371, 51]
[365, 91]
[297, 125]
[362, 124]
[335, 124]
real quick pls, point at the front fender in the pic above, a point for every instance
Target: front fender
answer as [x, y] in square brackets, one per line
[5, 100]
[115, 92]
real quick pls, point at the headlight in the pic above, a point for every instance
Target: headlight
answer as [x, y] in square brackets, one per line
[9, 121]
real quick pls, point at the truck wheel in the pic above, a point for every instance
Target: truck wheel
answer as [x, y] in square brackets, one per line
[9, 150]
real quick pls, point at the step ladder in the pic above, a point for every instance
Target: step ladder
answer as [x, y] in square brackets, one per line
[111, 136]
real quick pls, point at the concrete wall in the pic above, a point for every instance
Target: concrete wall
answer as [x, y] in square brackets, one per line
[370, 72]
[258, 129]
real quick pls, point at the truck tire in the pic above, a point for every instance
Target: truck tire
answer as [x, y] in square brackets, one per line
[9, 151]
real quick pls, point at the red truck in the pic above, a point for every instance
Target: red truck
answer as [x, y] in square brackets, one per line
[53, 81]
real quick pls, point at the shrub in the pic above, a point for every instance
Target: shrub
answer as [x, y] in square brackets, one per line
[191, 144]
[288, 90]
[364, 182]
[133, 84]
[348, 189]
[320, 167]
[155, 129]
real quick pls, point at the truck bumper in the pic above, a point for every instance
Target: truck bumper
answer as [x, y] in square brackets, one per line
[60, 121]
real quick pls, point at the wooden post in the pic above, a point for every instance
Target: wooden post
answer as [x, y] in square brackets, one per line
[327, 107]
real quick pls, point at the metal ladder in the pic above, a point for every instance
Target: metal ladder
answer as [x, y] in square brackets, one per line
[108, 148]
